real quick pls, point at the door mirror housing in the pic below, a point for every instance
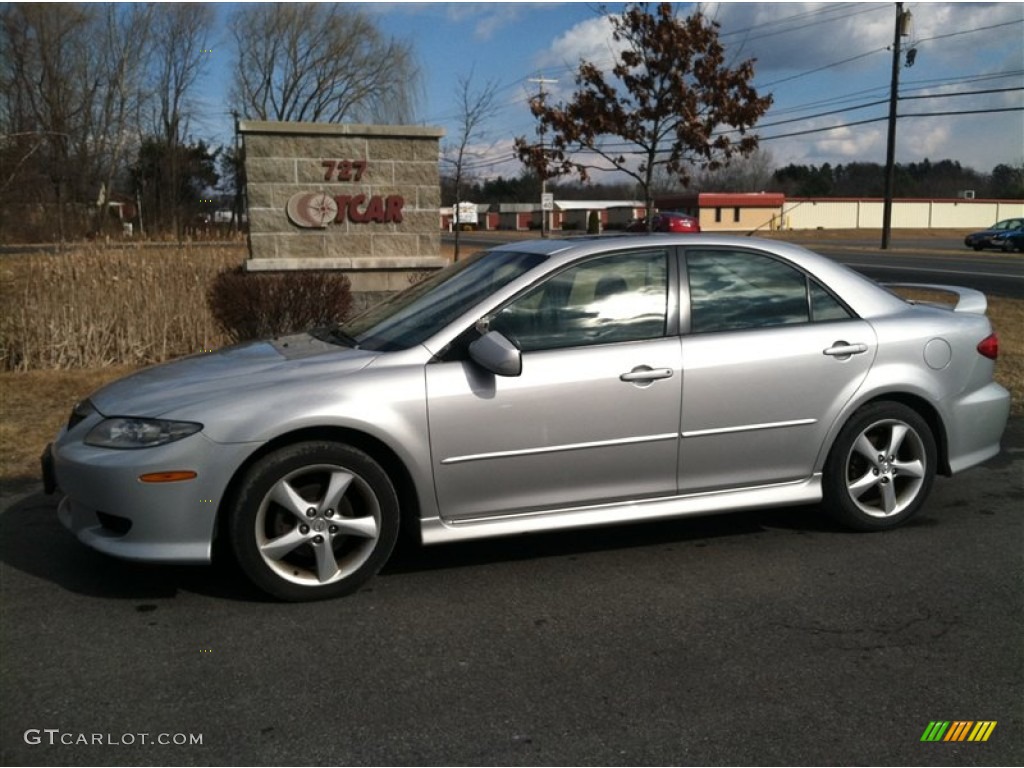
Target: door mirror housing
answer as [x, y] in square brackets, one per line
[495, 353]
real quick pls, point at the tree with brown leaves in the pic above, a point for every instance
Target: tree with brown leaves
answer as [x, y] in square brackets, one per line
[670, 98]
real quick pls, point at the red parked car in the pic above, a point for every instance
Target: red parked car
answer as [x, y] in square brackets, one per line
[667, 222]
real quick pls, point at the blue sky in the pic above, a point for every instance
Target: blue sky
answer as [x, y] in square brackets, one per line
[813, 58]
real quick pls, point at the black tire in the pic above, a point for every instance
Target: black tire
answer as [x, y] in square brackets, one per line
[313, 521]
[881, 468]
[978, 247]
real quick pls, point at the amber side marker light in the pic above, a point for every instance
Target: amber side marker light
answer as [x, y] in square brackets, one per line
[168, 477]
[989, 347]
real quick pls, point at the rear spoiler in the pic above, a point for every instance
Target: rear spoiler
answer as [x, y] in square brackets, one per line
[968, 299]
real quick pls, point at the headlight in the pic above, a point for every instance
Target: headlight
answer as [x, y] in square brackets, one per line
[121, 432]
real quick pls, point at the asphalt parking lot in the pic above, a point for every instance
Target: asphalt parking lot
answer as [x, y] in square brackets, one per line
[755, 638]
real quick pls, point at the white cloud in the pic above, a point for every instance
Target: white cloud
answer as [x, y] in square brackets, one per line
[590, 40]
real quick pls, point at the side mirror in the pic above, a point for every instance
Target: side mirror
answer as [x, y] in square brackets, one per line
[494, 353]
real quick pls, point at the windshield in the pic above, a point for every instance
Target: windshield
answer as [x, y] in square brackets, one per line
[414, 315]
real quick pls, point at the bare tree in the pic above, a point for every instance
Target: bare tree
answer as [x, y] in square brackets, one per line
[752, 173]
[126, 36]
[670, 101]
[475, 108]
[70, 93]
[179, 58]
[51, 85]
[319, 62]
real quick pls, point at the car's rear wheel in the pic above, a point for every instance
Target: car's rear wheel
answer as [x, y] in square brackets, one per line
[881, 468]
[313, 520]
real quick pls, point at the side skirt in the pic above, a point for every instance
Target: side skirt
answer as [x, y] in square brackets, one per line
[435, 530]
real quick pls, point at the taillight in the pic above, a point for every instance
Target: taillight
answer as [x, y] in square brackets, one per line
[989, 347]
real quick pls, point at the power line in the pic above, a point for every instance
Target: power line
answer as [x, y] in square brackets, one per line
[921, 85]
[963, 112]
[800, 27]
[811, 117]
[880, 119]
[960, 93]
[970, 31]
[876, 103]
[822, 68]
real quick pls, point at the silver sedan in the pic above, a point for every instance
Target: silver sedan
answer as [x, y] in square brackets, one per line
[549, 384]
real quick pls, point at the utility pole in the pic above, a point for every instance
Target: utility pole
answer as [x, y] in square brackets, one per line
[541, 82]
[902, 30]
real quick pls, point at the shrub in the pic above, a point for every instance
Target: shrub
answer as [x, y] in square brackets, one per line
[594, 223]
[254, 305]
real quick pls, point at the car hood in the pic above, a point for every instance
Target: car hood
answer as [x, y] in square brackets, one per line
[993, 232]
[161, 389]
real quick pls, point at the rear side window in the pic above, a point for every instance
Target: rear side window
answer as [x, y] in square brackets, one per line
[734, 290]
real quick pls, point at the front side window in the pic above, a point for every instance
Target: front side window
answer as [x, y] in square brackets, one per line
[622, 297]
[732, 290]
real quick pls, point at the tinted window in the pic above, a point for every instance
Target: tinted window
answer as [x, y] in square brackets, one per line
[610, 299]
[730, 290]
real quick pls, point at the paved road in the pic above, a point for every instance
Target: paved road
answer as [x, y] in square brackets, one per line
[767, 638]
[995, 274]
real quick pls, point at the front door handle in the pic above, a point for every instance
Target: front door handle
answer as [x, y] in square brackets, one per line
[842, 350]
[644, 374]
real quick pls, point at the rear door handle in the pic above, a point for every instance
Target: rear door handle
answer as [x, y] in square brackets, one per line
[644, 374]
[842, 350]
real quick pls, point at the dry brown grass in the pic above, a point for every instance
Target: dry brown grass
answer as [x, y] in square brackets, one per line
[91, 307]
[33, 406]
[1007, 317]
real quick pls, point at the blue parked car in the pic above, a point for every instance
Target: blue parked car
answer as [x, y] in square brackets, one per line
[996, 236]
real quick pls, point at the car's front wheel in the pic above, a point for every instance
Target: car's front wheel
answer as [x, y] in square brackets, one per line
[881, 468]
[313, 520]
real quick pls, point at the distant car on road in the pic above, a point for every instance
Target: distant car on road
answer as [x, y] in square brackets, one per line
[996, 236]
[667, 222]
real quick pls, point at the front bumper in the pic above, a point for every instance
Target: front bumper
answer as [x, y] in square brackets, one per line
[110, 509]
[985, 241]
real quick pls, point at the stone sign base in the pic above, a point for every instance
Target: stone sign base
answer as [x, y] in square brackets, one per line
[362, 199]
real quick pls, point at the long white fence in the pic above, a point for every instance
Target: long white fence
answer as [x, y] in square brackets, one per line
[822, 213]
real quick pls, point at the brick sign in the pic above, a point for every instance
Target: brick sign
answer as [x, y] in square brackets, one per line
[364, 199]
